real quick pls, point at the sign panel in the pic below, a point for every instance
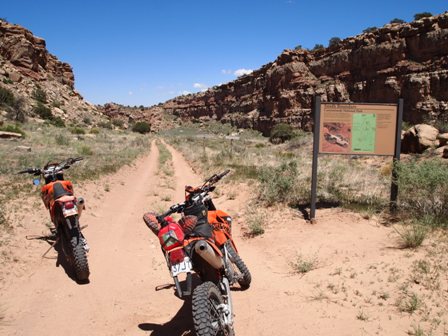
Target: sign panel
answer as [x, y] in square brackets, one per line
[358, 128]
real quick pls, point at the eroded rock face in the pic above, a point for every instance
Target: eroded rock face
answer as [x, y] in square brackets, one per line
[399, 60]
[29, 55]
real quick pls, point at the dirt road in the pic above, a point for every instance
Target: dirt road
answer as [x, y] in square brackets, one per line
[340, 296]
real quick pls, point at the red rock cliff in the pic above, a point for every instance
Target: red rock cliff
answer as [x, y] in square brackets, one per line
[399, 60]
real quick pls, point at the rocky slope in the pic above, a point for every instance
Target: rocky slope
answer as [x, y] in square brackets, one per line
[31, 74]
[398, 60]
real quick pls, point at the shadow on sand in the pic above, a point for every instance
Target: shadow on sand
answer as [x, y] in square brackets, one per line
[180, 325]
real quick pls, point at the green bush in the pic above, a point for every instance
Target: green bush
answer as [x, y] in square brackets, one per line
[423, 191]
[77, 130]
[281, 133]
[118, 122]
[58, 122]
[141, 127]
[422, 15]
[318, 47]
[334, 41]
[397, 21]
[6, 97]
[42, 111]
[105, 124]
[39, 95]
[370, 30]
[277, 184]
[12, 128]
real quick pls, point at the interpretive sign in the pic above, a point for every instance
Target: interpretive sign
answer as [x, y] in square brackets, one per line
[358, 128]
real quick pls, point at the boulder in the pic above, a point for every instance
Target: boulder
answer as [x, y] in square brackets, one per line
[419, 138]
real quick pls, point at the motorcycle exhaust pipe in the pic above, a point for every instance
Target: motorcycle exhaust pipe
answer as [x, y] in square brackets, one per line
[208, 254]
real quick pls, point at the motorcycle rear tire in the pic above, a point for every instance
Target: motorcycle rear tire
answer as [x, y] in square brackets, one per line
[80, 263]
[244, 278]
[206, 315]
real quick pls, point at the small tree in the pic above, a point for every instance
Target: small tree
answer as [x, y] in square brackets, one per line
[318, 47]
[397, 21]
[6, 97]
[298, 47]
[422, 15]
[369, 30]
[39, 95]
[334, 41]
[281, 133]
[141, 127]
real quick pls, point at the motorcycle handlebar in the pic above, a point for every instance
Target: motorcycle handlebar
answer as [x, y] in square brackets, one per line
[30, 171]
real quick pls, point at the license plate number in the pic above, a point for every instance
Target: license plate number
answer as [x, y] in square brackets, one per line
[70, 212]
[182, 267]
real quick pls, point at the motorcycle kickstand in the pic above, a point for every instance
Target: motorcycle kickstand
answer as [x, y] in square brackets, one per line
[52, 246]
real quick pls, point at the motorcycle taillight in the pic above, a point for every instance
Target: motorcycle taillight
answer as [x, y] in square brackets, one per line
[171, 236]
[177, 256]
[69, 205]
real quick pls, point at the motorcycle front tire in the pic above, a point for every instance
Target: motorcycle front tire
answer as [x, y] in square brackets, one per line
[206, 314]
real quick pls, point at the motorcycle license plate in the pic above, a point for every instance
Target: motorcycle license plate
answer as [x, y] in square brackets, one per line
[182, 267]
[70, 212]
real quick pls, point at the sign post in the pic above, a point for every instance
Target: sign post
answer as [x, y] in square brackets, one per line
[356, 129]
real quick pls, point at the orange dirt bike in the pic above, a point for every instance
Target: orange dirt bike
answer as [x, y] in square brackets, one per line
[65, 210]
[192, 245]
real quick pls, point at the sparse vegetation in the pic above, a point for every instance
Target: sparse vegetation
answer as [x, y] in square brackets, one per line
[318, 47]
[397, 21]
[302, 265]
[370, 30]
[141, 127]
[419, 16]
[42, 111]
[256, 222]
[424, 191]
[13, 128]
[413, 235]
[409, 303]
[39, 95]
[334, 41]
[6, 97]
[281, 133]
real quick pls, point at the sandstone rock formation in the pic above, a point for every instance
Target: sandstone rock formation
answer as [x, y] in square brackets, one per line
[126, 115]
[26, 65]
[398, 60]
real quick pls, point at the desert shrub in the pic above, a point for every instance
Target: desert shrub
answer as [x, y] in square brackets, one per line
[42, 111]
[7, 81]
[302, 265]
[298, 47]
[12, 128]
[412, 236]
[58, 122]
[334, 41]
[105, 124]
[419, 16]
[94, 131]
[87, 120]
[118, 122]
[39, 95]
[397, 21]
[141, 127]
[370, 30]
[62, 140]
[6, 97]
[77, 130]
[85, 150]
[277, 184]
[423, 191]
[318, 47]
[281, 133]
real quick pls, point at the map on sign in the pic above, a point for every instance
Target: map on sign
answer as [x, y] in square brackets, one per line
[363, 132]
[347, 128]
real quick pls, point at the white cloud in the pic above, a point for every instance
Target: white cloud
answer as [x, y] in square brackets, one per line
[241, 72]
[199, 86]
[130, 93]
[226, 72]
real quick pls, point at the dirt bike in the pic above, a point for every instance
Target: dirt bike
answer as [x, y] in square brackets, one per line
[65, 210]
[194, 245]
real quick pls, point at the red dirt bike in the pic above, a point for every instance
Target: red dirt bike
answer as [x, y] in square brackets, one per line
[65, 210]
[195, 245]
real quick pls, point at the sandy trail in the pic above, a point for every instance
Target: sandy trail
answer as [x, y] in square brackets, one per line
[353, 262]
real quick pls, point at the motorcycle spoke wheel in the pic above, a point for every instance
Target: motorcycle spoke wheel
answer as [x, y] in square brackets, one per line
[207, 316]
[240, 270]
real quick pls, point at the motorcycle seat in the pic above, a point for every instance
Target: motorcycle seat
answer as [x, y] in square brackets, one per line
[59, 191]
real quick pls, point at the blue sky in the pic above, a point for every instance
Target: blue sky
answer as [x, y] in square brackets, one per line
[142, 52]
